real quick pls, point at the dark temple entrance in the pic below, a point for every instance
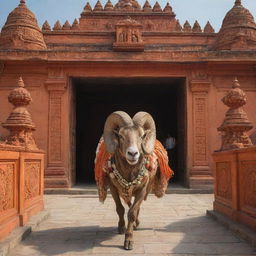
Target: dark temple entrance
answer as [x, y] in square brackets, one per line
[96, 98]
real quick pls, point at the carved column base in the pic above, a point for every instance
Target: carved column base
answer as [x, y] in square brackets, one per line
[55, 177]
[201, 178]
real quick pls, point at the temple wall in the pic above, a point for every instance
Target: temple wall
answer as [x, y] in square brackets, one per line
[52, 110]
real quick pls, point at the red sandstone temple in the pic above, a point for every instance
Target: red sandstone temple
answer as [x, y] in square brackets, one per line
[131, 58]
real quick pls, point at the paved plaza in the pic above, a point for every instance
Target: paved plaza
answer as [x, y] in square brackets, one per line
[174, 225]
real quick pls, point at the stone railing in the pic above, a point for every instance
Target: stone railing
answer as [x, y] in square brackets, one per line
[21, 166]
[235, 186]
[235, 163]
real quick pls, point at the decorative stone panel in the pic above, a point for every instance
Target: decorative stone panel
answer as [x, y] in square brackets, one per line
[7, 184]
[248, 185]
[235, 185]
[223, 175]
[55, 175]
[32, 179]
[128, 36]
[200, 122]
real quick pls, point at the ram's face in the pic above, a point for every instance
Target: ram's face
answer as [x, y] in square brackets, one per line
[130, 143]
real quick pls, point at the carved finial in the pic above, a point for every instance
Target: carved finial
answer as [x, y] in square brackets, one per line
[178, 27]
[109, 6]
[236, 84]
[22, 2]
[98, 7]
[157, 7]
[208, 28]
[66, 25]
[57, 26]
[236, 123]
[46, 26]
[75, 24]
[187, 27]
[147, 7]
[196, 27]
[238, 2]
[21, 82]
[19, 122]
[87, 7]
[168, 8]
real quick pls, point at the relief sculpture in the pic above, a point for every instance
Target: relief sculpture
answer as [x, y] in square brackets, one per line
[32, 179]
[6, 186]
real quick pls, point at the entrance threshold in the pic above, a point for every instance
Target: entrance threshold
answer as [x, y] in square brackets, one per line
[91, 189]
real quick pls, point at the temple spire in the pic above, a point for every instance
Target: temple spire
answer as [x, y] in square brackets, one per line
[238, 2]
[22, 1]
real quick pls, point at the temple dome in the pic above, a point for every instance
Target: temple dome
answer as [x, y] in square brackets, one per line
[238, 30]
[21, 30]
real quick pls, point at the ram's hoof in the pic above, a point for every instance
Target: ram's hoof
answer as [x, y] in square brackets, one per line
[128, 245]
[121, 230]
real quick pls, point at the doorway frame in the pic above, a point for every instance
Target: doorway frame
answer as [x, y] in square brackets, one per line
[184, 146]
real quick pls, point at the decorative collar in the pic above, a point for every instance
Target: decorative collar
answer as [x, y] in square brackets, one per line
[143, 172]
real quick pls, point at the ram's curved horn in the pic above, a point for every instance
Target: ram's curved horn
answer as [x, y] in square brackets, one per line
[146, 121]
[113, 123]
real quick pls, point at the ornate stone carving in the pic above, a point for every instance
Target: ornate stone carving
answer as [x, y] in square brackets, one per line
[75, 25]
[32, 179]
[46, 26]
[157, 7]
[167, 8]
[109, 6]
[200, 121]
[128, 36]
[57, 26]
[178, 27]
[248, 171]
[87, 9]
[187, 27]
[127, 5]
[236, 123]
[208, 28]
[98, 7]
[6, 186]
[19, 122]
[55, 127]
[66, 25]
[223, 177]
[196, 28]
[21, 30]
[238, 30]
[147, 7]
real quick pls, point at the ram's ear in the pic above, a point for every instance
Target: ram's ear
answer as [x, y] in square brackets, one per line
[112, 125]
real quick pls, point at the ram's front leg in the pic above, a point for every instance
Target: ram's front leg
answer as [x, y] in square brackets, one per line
[132, 217]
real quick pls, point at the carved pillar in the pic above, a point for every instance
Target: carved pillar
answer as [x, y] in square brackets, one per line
[55, 174]
[200, 175]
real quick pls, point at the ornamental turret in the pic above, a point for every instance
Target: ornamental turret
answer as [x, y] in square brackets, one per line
[21, 30]
[238, 30]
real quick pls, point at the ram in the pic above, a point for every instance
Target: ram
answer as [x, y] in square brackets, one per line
[132, 163]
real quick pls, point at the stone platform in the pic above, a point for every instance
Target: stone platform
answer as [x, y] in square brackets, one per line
[174, 225]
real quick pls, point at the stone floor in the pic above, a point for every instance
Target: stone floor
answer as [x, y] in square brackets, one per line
[174, 225]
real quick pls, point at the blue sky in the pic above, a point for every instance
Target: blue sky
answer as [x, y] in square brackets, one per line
[191, 10]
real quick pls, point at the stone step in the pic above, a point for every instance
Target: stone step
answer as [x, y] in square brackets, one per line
[91, 189]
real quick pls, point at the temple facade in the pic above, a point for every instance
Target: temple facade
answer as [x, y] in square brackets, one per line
[132, 58]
